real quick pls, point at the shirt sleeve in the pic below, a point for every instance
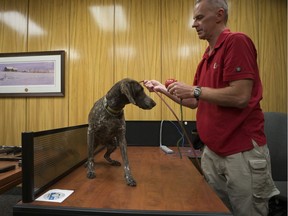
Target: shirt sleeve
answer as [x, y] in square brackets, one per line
[240, 58]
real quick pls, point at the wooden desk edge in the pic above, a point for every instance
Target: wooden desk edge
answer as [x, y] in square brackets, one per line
[33, 210]
[11, 178]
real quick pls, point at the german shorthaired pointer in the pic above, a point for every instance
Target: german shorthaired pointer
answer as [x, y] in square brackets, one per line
[106, 123]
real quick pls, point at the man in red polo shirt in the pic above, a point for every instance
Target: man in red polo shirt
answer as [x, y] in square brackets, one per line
[227, 91]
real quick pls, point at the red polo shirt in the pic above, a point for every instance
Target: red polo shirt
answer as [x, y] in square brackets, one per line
[229, 130]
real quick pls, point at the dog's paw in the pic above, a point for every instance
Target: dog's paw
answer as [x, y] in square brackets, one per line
[115, 163]
[131, 182]
[91, 175]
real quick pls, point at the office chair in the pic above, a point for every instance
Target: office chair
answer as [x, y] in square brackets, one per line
[276, 133]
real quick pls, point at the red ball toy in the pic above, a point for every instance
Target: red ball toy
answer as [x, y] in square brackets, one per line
[169, 81]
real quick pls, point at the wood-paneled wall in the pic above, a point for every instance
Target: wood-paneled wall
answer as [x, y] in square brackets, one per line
[107, 40]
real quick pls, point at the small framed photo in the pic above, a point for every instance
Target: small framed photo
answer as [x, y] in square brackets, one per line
[32, 74]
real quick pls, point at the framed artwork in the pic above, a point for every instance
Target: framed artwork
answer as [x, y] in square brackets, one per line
[32, 74]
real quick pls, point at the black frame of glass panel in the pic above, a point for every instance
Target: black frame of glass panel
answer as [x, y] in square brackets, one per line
[28, 189]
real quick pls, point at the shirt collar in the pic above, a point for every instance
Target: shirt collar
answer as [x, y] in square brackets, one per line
[223, 35]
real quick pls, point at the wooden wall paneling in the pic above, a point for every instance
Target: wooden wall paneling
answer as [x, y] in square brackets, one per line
[138, 48]
[181, 49]
[13, 28]
[13, 37]
[242, 18]
[102, 48]
[91, 71]
[13, 121]
[273, 54]
[52, 19]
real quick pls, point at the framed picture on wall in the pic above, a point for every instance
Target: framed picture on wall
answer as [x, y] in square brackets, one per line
[32, 74]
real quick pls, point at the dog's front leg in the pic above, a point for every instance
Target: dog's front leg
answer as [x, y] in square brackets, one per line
[127, 172]
[90, 161]
[111, 146]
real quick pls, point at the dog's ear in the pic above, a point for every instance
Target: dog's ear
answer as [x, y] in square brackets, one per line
[127, 90]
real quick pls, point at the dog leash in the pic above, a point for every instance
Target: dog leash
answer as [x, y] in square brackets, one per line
[182, 127]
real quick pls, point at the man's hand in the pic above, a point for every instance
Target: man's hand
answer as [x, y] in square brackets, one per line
[154, 85]
[181, 90]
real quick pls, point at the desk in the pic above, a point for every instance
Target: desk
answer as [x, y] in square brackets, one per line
[10, 178]
[166, 185]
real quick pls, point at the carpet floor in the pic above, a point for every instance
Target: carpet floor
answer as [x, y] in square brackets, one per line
[8, 199]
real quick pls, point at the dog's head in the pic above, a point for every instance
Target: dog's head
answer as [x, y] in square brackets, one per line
[135, 94]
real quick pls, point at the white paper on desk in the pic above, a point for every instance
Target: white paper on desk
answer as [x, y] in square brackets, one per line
[55, 195]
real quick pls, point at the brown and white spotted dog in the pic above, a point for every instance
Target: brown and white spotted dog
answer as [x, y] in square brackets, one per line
[106, 123]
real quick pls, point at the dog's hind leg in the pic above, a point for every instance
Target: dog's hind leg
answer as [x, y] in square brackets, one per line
[110, 149]
[91, 148]
[127, 172]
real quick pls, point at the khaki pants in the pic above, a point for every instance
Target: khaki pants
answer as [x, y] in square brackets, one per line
[243, 181]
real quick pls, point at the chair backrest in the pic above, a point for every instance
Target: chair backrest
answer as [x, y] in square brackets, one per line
[276, 133]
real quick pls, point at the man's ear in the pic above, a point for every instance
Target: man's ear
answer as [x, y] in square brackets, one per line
[220, 15]
[127, 90]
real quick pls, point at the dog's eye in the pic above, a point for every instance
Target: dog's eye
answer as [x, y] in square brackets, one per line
[137, 89]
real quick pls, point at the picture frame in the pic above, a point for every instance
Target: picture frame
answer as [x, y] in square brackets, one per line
[32, 74]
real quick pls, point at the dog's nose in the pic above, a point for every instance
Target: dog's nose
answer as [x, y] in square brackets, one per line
[146, 104]
[153, 103]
